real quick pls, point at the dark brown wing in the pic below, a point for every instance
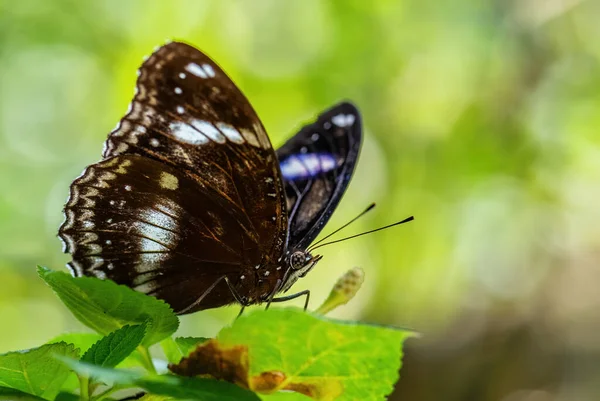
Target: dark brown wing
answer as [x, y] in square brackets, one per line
[189, 190]
[316, 165]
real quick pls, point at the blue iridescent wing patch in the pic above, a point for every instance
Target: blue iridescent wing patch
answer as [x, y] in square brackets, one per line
[306, 165]
[316, 166]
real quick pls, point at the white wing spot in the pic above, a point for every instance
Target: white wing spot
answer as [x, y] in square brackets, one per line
[268, 180]
[242, 277]
[343, 120]
[185, 133]
[250, 137]
[182, 75]
[196, 70]
[180, 110]
[257, 267]
[230, 132]
[158, 220]
[178, 90]
[314, 137]
[272, 195]
[155, 229]
[147, 245]
[154, 142]
[267, 273]
[127, 187]
[209, 70]
[209, 130]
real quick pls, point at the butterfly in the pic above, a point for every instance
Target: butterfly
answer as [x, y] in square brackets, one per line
[190, 202]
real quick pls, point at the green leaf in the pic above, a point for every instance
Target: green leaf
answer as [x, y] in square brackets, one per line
[323, 358]
[36, 371]
[167, 385]
[177, 348]
[153, 397]
[105, 306]
[83, 341]
[188, 344]
[115, 347]
[171, 350]
[62, 396]
[10, 394]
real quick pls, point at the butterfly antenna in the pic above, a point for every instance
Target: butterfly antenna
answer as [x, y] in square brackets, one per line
[365, 233]
[368, 209]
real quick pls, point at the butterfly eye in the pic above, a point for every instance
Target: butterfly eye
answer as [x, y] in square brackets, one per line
[298, 260]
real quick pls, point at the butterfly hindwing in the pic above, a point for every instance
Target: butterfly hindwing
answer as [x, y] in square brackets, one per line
[189, 189]
[136, 221]
[316, 166]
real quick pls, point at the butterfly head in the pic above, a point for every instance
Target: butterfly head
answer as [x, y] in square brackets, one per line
[299, 263]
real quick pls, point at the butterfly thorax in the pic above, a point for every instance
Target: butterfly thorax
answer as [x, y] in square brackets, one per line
[257, 284]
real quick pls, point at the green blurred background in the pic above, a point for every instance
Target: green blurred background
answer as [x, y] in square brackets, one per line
[482, 118]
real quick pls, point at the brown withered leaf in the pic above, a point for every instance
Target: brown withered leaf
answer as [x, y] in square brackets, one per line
[209, 359]
[231, 364]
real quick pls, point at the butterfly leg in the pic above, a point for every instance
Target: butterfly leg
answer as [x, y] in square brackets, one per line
[275, 289]
[294, 296]
[239, 299]
[234, 292]
[201, 297]
[241, 311]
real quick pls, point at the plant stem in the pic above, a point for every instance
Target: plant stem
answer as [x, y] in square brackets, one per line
[84, 388]
[106, 392]
[146, 359]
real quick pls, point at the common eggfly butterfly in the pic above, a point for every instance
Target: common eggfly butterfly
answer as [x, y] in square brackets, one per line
[190, 202]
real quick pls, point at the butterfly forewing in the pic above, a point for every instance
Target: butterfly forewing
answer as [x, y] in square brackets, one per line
[189, 190]
[316, 165]
[188, 113]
